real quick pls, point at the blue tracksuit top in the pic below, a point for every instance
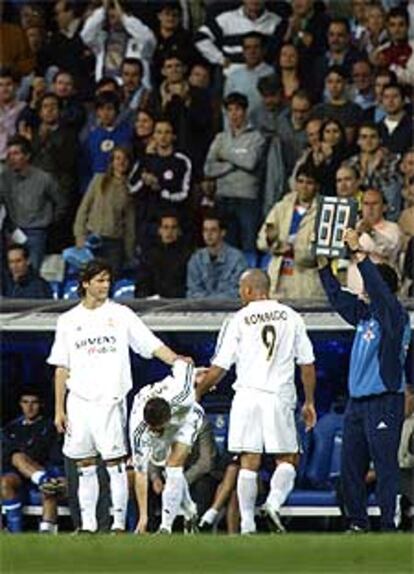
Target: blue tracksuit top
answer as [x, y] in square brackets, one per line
[382, 332]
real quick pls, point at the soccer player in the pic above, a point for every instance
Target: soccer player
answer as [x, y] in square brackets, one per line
[263, 340]
[91, 355]
[164, 424]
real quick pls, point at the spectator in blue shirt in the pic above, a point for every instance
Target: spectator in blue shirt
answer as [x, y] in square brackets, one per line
[21, 281]
[375, 410]
[214, 270]
[106, 135]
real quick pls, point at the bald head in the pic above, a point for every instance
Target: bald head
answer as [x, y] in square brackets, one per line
[254, 284]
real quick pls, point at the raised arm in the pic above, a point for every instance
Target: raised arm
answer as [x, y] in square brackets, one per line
[344, 302]
[92, 28]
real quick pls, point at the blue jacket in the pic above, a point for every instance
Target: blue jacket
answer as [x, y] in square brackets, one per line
[382, 332]
[219, 278]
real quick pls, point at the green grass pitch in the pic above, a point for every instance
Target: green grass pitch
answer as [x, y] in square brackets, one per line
[290, 553]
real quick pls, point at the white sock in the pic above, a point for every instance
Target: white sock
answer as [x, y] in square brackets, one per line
[247, 494]
[46, 526]
[88, 492]
[188, 505]
[172, 495]
[37, 476]
[209, 517]
[281, 484]
[119, 494]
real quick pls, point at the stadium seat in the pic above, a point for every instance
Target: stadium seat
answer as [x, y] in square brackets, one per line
[308, 497]
[320, 465]
[220, 424]
[70, 289]
[56, 287]
[335, 469]
[124, 289]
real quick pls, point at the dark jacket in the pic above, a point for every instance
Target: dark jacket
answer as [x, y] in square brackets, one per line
[401, 138]
[37, 440]
[163, 270]
[29, 287]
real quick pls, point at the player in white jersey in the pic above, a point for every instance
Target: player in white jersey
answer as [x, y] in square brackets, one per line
[91, 356]
[164, 423]
[264, 340]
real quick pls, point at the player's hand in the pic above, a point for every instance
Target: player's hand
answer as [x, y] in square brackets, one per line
[322, 261]
[184, 358]
[364, 226]
[141, 527]
[61, 422]
[309, 415]
[351, 238]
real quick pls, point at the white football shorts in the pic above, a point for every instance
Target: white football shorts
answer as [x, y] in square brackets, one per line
[262, 422]
[95, 428]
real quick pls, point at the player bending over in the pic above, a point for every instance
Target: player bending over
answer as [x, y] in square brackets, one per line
[165, 418]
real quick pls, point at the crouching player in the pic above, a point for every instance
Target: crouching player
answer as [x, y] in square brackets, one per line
[165, 416]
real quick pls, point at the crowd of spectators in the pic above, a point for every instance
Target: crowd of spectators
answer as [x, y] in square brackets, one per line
[190, 136]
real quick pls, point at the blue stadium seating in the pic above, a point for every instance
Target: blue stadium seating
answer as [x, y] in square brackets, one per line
[70, 289]
[123, 289]
[56, 287]
[319, 467]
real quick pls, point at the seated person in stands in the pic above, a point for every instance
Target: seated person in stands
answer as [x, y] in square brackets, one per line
[214, 270]
[22, 281]
[30, 448]
[162, 271]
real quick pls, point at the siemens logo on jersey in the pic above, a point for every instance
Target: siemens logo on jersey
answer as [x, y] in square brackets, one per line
[97, 342]
[265, 317]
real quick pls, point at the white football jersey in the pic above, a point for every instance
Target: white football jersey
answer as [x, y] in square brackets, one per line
[178, 391]
[94, 345]
[264, 340]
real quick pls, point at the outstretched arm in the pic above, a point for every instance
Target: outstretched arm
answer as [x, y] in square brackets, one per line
[169, 356]
[208, 379]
